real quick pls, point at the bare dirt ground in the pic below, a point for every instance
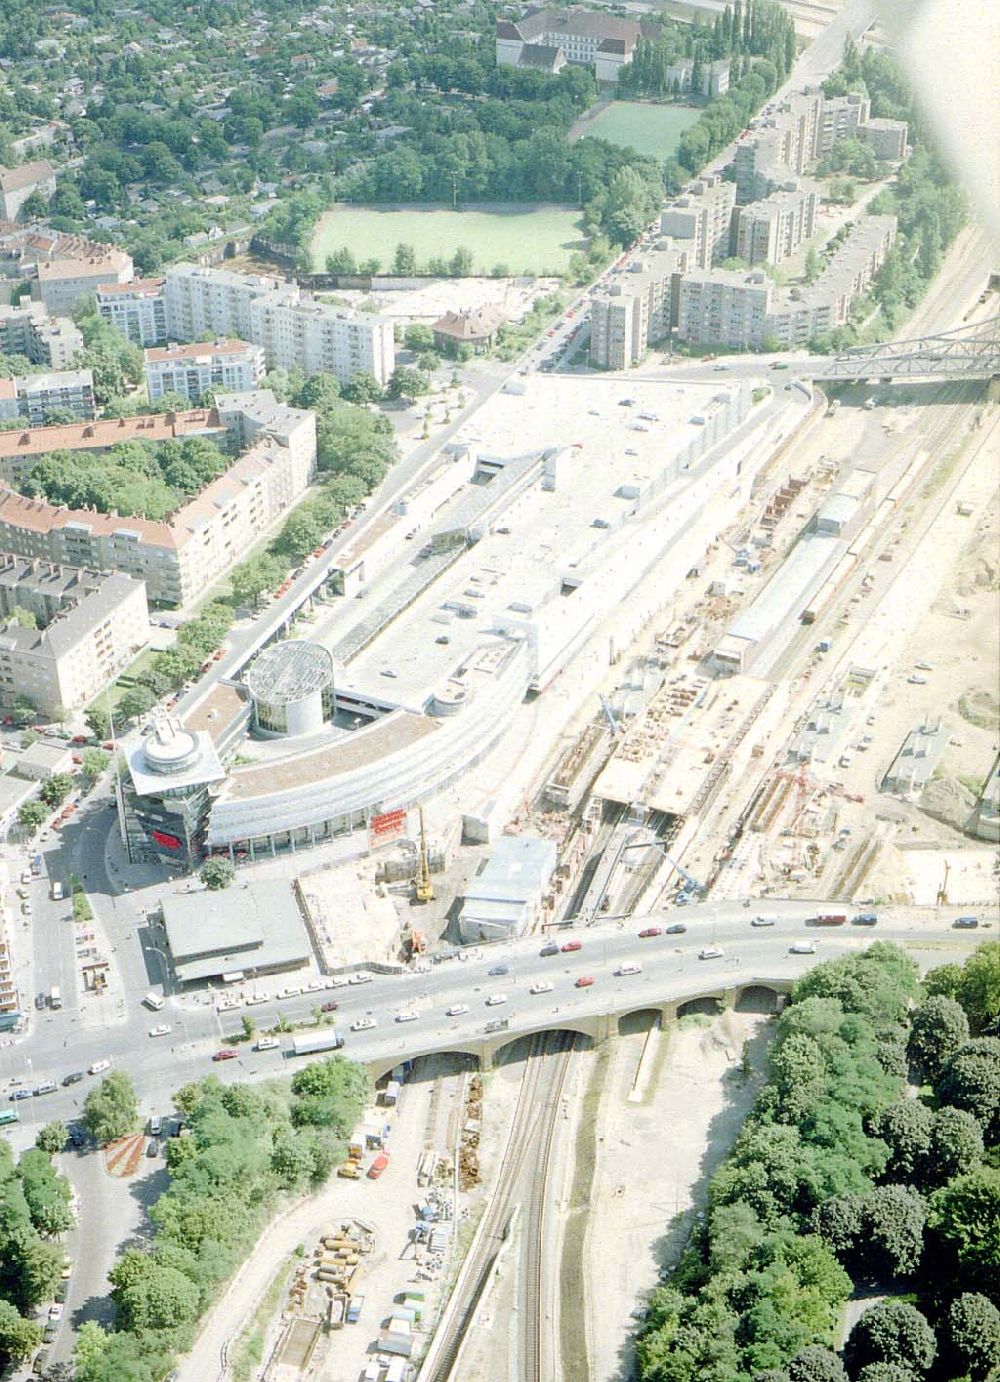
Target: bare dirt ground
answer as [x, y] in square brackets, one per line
[654, 1158]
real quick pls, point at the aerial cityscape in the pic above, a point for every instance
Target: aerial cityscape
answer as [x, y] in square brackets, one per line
[499, 691]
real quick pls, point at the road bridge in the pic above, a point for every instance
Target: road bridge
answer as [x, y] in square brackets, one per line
[762, 993]
[969, 352]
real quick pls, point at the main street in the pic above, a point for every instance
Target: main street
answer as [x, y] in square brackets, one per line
[671, 968]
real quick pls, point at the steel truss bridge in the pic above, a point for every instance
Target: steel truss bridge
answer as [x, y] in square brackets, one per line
[970, 352]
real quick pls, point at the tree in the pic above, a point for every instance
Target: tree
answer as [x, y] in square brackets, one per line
[55, 789]
[906, 1128]
[418, 337]
[404, 261]
[136, 701]
[362, 388]
[974, 1335]
[18, 1337]
[30, 815]
[341, 261]
[461, 262]
[971, 1080]
[95, 761]
[98, 721]
[964, 1219]
[46, 1192]
[937, 1029]
[52, 1138]
[251, 578]
[150, 1295]
[217, 874]
[893, 1230]
[111, 1110]
[812, 265]
[24, 618]
[979, 990]
[891, 1332]
[956, 1145]
[407, 383]
[816, 1364]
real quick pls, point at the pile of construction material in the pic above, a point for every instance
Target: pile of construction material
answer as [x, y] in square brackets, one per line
[468, 1151]
[336, 1267]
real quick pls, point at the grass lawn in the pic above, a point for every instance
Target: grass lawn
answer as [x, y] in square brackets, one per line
[527, 239]
[649, 129]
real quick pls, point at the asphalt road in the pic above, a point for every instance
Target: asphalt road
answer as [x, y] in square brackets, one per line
[670, 967]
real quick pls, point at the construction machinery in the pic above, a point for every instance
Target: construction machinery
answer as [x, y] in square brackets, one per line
[423, 888]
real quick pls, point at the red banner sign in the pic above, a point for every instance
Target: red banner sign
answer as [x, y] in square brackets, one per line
[388, 825]
[167, 841]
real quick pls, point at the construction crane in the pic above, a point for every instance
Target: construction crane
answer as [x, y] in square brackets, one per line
[609, 715]
[423, 888]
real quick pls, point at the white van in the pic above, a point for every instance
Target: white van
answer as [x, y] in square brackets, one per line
[802, 948]
[98, 1067]
[267, 1043]
[55, 996]
[153, 1000]
[57, 890]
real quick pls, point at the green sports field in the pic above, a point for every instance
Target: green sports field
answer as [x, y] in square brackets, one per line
[526, 239]
[649, 129]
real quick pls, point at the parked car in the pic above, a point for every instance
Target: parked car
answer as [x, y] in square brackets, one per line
[570, 946]
[330, 1006]
[551, 948]
[74, 1078]
[456, 1010]
[498, 969]
[363, 1024]
[762, 921]
[584, 981]
[648, 931]
[543, 986]
[227, 1053]
[495, 999]
[965, 923]
[677, 928]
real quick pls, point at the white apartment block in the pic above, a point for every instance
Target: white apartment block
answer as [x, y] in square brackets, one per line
[34, 396]
[181, 556]
[294, 329]
[637, 311]
[700, 219]
[737, 309]
[229, 366]
[840, 119]
[28, 330]
[771, 230]
[18, 184]
[137, 309]
[92, 625]
[785, 145]
[886, 138]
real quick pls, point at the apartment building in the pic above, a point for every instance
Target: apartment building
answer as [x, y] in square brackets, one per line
[639, 310]
[62, 282]
[91, 625]
[886, 138]
[192, 370]
[35, 396]
[18, 184]
[179, 557]
[700, 219]
[137, 309]
[28, 330]
[724, 307]
[781, 148]
[739, 309]
[586, 37]
[295, 331]
[771, 230]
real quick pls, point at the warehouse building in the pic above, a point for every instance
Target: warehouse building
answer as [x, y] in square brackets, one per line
[914, 764]
[507, 898]
[236, 933]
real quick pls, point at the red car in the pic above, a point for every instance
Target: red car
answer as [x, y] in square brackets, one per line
[80, 739]
[584, 981]
[650, 931]
[226, 1054]
[330, 1007]
[572, 945]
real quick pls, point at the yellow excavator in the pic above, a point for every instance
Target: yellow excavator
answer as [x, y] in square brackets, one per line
[423, 888]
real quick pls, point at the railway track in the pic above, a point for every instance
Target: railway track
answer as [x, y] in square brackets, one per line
[533, 1313]
[532, 1126]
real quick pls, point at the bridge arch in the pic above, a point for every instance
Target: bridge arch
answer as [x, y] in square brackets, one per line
[758, 998]
[707, 1004]
[639, 1020]
[503, 1052]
